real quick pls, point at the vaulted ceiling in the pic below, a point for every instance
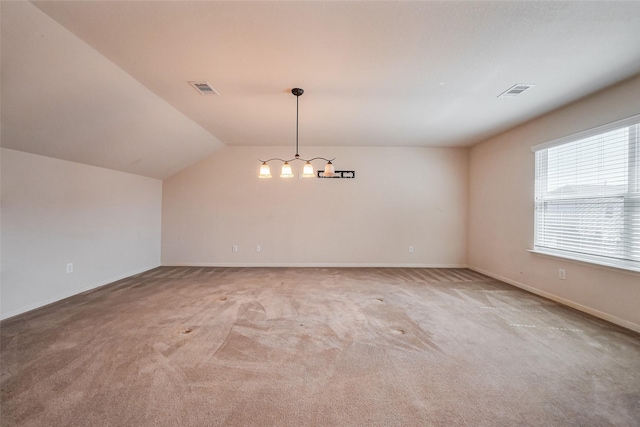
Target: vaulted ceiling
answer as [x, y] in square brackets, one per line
[106, 83]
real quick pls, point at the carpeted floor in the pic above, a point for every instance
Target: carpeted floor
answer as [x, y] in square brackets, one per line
[315, 347]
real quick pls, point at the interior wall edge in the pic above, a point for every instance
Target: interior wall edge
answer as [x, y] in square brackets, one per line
[312, 265]
[38, 304]
[585, 309]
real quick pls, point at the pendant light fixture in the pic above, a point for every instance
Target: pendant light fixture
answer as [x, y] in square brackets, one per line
[307, 171]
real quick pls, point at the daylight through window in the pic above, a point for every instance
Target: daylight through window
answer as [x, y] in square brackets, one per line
[587, 195]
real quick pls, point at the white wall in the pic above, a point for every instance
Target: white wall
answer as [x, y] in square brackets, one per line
[54, 212]
[501, 212]
[400, 197]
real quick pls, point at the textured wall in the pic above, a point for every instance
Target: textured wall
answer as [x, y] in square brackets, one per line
[501, 212]
[401, 197]
[55, 212]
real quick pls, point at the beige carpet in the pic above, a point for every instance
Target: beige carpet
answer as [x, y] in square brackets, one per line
[316, 346]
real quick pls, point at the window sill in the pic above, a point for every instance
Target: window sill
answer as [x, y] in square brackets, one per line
[625, 266]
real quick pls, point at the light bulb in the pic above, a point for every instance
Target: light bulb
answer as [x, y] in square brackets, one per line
[265, 171]
[329, 170]
[307, 172]
[286, 171]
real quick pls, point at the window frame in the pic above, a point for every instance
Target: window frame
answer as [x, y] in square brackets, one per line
[631, 197]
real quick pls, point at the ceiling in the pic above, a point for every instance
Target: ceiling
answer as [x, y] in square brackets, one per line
[374, 73]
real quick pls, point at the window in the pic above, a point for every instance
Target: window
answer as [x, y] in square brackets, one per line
[587, 195]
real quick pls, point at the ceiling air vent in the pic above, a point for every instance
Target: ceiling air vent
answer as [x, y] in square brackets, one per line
[204, 88]
[514, 91]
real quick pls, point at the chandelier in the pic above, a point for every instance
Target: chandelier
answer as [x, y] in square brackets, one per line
[307, 171]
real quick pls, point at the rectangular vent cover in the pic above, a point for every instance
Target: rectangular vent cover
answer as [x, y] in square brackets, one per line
[514, 91]
[204, 88]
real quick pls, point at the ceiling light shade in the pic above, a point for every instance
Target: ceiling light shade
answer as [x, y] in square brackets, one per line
[265, 171]
[329, 170]
[307, 171]
[286, 171]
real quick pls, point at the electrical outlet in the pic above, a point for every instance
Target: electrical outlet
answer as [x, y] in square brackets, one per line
[258, 248]
[410, 249]
[234, 248]
[70, 267]
[561, 274]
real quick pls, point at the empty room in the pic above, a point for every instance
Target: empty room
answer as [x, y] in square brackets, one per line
[320, 213]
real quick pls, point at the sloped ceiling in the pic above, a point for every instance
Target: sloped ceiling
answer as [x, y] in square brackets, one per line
[374, 73]
[63, 99]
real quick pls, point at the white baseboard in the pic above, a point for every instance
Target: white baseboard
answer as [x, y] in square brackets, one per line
[602, 315]
[592, 311]
[59, 297]
[287, 264]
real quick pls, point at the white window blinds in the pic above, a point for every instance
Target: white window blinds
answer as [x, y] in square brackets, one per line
[587, 195]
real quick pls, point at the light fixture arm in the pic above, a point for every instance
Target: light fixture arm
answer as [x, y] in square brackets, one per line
[329, 170]
[298, 158]
[298, 92]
